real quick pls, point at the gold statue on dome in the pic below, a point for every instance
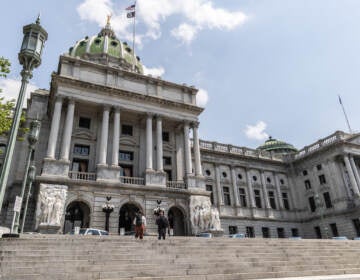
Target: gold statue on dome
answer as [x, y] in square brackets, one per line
[108, 18]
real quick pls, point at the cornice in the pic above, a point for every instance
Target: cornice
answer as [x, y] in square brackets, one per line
[137, 97]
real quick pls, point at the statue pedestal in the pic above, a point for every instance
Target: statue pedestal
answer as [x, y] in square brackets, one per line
[48, 229]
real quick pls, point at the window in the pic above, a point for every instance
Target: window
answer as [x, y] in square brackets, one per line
[281, 232]
[207, 172]
[226, 193]
[356, 223]
[282, 182]
[294, 232]
[334, 229]
[167, 160]
[312, 204]
[126, 130]
[327, 200]
[84, 122]
[81, 150]
[265, 232]
[168, 175]
[305, 172]
[80, 165]
[165, 136]
[126, 170]
[322, 179]
[209, 188]
[272, 200]
[268, 180]
[233, 229]
[2, 149]
[242, 197]
[224, 174]
[126, 156]
[285, 200]
[307, 184]
[254, 178]
[239, 176]
[318, 167]
[257, 198]
[250, 232]
[318, 232]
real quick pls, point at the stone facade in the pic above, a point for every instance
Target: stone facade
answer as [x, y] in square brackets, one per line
[110, 132]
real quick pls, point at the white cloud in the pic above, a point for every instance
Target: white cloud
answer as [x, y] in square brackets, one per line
[256, 131]
[11, 87]
[202, 98]
[184, 32]
[155, 72]
[195, 15]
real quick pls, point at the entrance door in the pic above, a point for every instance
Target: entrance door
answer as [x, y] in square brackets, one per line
[77, 215]
[126, 218]
[176, 221]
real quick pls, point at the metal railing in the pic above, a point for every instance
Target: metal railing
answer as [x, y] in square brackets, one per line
[86, 176]
[176, 185]
[132, 180]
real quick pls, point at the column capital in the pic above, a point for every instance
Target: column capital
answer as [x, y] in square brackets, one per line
[195, 124]
[106, 107]
[158, 116]
[71, 100]
[59, 98]
[117, 109]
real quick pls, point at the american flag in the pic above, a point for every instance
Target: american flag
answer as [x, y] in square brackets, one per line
[130, 7]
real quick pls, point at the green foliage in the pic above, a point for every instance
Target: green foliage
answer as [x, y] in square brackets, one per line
[4, 66]
[6, 114]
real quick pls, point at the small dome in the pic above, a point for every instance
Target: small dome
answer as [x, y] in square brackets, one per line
[276, 146]
[106, 48]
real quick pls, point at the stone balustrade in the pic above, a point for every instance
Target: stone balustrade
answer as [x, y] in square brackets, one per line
[132, 180]
[176, 185]
[86, 176]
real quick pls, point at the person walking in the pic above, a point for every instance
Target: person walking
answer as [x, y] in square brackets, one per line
[162, 223]
[140, 225]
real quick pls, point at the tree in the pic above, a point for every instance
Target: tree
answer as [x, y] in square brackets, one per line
[4, 67]
[7, 107]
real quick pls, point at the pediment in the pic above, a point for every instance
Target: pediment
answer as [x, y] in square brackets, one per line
[354, 140]
[127, 141]
[167, 147]
[84, 134]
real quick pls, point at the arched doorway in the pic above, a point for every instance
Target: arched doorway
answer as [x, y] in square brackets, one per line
[77, 215]
[176, 221]
[126, 217]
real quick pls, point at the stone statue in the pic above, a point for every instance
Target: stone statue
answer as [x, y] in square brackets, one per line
[50, 206]
[203, 217]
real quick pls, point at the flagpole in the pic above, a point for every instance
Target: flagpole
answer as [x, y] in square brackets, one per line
[346, 118]
[134, 38]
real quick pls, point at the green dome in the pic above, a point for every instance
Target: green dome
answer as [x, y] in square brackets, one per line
[108, 49]
[276, 146]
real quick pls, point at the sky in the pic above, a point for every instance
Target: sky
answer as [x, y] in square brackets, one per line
[263, 67]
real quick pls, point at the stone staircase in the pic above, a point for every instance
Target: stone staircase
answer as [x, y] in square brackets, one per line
[68, 257]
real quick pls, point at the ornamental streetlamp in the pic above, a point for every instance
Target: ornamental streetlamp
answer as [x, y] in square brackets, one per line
[30, 58]
[321, 212]
[31, 178]
[107, 209]
[33, 137]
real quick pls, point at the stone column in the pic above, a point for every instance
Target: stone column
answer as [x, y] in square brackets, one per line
[54, 130]
[250, 190]
[235, 188]
[346, 179]
[187, 150]
[116, 138]
[351, 175]
[65, 148]
[354, 168]
[266, 195]
[278, 192]
[198, 170]
[159, 144]
[220, 198]
[149, 145]
[104, 136]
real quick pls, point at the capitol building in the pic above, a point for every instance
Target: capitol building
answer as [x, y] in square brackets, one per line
[114, 137]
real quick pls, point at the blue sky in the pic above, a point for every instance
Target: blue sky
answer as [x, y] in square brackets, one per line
[267, 67]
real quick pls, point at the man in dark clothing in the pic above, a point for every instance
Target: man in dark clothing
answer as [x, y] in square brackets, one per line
[162, 223]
